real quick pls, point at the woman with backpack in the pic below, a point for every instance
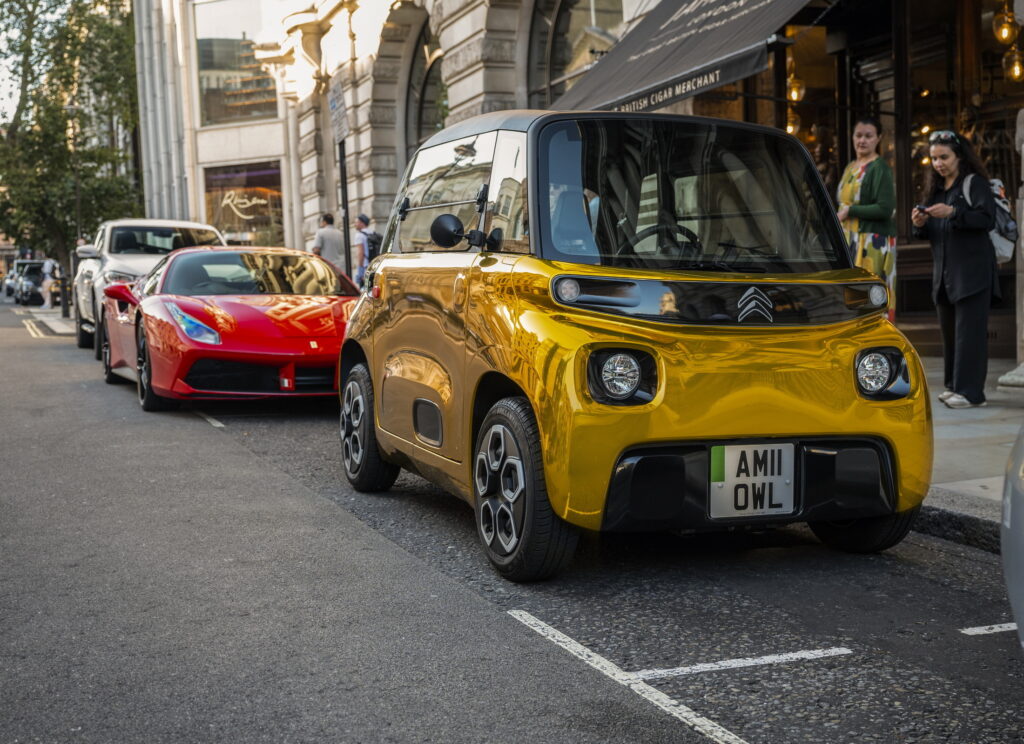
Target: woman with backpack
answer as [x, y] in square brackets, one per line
[958, 213]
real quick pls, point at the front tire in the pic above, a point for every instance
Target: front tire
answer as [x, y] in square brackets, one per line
[365, 467]
[521, 535]
[97, 337]
[868, 534]
[148, 399]
[109, 376]
[83, 339]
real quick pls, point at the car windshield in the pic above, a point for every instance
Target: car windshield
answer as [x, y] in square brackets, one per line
[245, 273]
[33, 272]
[674, 195]
[159, 240]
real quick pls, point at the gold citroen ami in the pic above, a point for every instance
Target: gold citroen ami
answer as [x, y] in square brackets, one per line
[598, 321]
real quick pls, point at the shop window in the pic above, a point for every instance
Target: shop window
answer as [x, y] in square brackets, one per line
[244, 203]
[232, 84]
[566, 38]
[427, 98]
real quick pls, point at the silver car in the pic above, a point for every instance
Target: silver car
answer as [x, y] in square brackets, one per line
[123, 251]
[1013, 533]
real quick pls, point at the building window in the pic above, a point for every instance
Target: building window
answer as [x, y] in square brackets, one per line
[232, 84]
[566, 38]
[244, 203]
[427, 101]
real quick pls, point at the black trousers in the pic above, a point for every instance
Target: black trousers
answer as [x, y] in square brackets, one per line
[964, 327]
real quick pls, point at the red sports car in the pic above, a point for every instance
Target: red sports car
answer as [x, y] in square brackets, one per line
[228, 323]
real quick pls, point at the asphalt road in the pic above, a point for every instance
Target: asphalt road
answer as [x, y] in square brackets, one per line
[207, 575]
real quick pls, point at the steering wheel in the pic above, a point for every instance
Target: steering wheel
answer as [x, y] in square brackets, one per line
[669, 229]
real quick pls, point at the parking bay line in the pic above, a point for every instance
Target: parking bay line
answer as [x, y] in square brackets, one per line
[986, 629]
[691, 718]
[824, 653]
[210, 420]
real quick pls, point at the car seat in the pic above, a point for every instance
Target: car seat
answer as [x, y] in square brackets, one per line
[125, 242]
[570, 226]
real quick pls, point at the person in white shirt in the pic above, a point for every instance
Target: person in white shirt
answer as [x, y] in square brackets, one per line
[49, 275]
[362, 248]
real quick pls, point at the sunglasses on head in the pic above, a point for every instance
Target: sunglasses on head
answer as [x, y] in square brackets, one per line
[943, 135]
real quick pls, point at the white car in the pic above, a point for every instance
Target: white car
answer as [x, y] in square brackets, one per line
[123, 251]
[1013, 533]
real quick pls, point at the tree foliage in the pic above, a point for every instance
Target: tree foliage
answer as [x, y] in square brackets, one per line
[66, 138]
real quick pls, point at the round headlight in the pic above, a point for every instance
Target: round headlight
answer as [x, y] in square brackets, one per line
[877, 295]
[567, 290]
[620, 375]
[873, 372]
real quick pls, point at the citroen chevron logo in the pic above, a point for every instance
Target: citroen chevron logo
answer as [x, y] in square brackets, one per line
[754, 301]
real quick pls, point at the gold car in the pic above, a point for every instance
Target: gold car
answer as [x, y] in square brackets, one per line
[630, 322]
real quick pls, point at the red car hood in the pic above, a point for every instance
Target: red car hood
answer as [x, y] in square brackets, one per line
[288, 316]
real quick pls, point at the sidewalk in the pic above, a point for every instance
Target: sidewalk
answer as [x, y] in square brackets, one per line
[972, 446]
[971, 449]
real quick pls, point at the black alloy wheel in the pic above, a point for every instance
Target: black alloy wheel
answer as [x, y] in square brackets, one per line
[97, 336]
[521, 535]
[109, 376]
[83, 339]
[868, 534]
[365, 466]
[148, 399]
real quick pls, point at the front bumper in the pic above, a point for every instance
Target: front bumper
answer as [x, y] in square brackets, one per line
[667, 486]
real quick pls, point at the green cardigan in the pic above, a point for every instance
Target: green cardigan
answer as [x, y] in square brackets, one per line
[877, 200]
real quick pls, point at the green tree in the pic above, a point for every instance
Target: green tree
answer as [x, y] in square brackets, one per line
[66, 143]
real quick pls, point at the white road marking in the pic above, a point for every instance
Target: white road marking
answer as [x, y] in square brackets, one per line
[210, 420]
[739, 663]
[705, 726]
[986, 629]
[33, 329]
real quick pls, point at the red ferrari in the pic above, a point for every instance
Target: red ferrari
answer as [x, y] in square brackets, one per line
[228, 323]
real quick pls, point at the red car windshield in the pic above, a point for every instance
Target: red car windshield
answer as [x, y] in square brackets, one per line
[245, 273]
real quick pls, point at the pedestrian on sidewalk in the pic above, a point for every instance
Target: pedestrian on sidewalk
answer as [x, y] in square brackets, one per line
[867, 200]
[964, 278]
[362, 223]
[328, 241]
[49, 272]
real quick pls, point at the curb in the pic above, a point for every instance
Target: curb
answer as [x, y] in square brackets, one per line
[958, 527]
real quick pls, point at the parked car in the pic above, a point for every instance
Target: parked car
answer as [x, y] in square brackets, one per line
[1012, 533]
[11, 280]
[123, 251]
[630, 322]
[27, 285]
[236, 323]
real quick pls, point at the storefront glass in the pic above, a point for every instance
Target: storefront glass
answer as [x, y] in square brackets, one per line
[232, 84]
[244, 203]
[566, 37]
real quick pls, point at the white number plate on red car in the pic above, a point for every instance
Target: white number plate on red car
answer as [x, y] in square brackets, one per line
[751, 480]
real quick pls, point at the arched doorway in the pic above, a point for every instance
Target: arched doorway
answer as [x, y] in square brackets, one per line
[426, 95]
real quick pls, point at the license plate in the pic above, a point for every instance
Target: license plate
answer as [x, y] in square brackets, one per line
[751, 480]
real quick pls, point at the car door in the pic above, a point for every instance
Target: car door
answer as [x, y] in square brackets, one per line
[85, 277]
[420, 291]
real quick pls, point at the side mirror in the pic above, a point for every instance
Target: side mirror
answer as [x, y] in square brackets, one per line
[86, 251]
[120, 292]
[447, 230]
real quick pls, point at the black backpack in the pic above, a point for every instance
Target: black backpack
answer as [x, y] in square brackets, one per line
[373, 241]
